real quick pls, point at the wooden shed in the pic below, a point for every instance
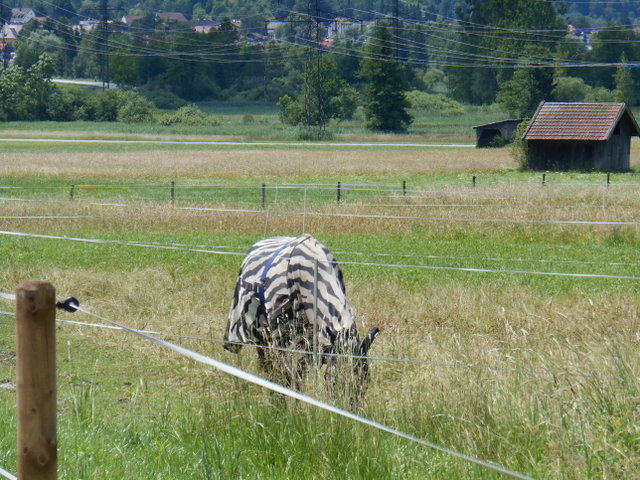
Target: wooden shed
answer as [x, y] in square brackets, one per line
[580, 136]
[486, 134]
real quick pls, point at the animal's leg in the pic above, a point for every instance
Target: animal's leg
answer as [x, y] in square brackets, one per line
[264, 360]
[302, 366]
[328, 378]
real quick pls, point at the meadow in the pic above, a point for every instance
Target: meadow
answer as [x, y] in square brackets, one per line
[508, 310]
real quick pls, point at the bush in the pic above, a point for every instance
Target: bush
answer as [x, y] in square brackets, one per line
[164, 99]
[569, 89]
[70, 103]
[135, 109]
[189, 115]
[498, 142]
[518, 146]
[291, 111]
[433, 102]
[600, 94]
[248, 119]
[106, 105]
[60, 107]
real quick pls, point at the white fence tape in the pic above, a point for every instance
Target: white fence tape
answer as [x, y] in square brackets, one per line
[249, 377]
[8, 475]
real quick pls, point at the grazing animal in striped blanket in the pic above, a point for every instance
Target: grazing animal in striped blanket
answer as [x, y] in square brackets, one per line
[273, 306]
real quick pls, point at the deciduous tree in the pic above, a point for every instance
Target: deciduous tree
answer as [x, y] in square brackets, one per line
[625, 90]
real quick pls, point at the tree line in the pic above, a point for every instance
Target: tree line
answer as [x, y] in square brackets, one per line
[511, 52]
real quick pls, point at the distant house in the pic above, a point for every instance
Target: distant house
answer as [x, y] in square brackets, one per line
[20, 16]
[129, 19]
[487, 134]
[339, 25]
[272, 27]
[9, 33]
[88, 25]
[205, 26]
[172, 17]
[580, 136]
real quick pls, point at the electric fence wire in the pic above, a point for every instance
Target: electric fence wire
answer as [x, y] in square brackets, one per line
[243, 248]
[391, 187]
[426, 218]
[366, 264]
[216, 211]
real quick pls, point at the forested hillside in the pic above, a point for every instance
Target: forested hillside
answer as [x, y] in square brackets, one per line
[319, 60]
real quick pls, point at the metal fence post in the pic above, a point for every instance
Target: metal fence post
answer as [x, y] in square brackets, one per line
[36, 381]
[263, 194]
[304, 211]
[173, 192]
[316, 356]
[266, 222]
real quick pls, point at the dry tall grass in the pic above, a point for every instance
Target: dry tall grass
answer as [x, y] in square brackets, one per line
[511, 369]
[253, 163]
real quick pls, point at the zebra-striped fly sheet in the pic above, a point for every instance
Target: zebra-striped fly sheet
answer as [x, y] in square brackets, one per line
[290, 294]
[277, 276]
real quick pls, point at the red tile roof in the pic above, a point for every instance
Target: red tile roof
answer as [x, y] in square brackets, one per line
[577, 121]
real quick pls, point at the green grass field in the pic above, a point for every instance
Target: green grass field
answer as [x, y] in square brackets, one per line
[515, 364]
[261, 122]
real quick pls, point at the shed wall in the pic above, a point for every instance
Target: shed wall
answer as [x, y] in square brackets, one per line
[608, 156]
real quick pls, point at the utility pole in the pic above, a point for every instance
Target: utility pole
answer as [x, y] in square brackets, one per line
[307, 73]
[265, 60]
[321, 123]
[3, 22]
[396, 19]
[104, 50]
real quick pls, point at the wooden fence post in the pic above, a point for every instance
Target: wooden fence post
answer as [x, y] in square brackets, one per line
[36, 381]
[338, 194]
[263, 194]
[473, 181]
[173, 192]
[404, 188]
[72, 191]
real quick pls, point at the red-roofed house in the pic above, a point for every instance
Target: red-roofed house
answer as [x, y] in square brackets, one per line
[580, 136]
